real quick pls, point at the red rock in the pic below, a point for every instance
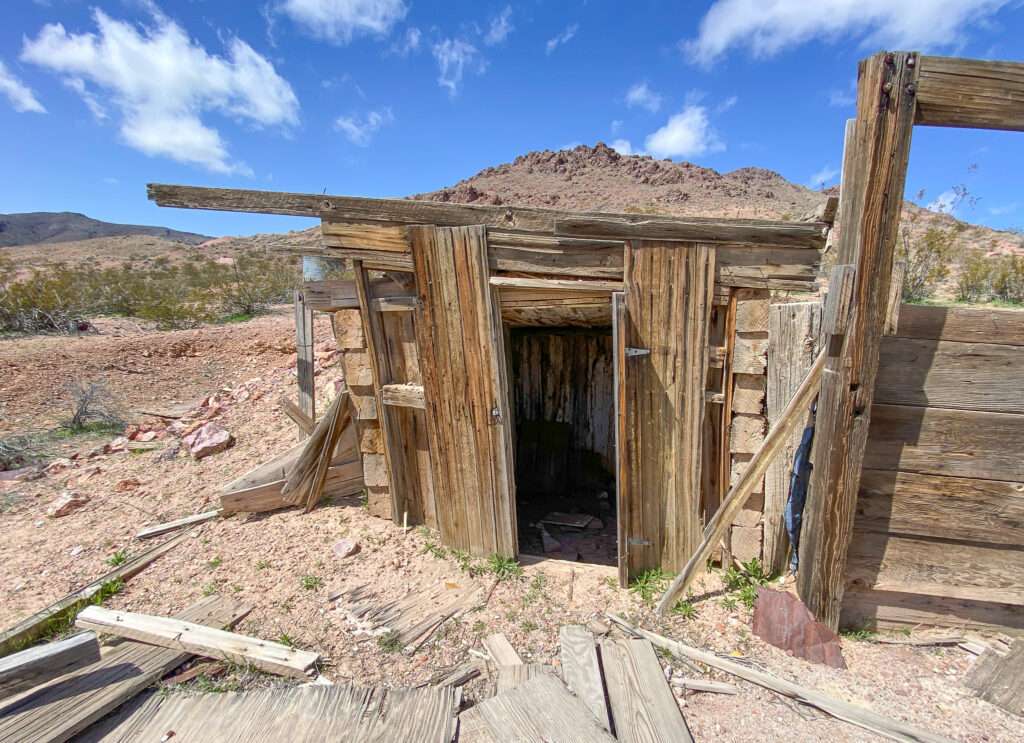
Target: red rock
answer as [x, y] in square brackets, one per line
[782, 620]
[67, 502]
[207, 440]
[147, 436]
[123, 486]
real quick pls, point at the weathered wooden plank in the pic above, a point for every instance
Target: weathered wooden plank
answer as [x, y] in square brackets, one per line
[39, 664]
[198, 518]
[959, 443]
[986, 511]
[69, 704]
[668, 309]
[746, 433]
[293, 411]
[868, 608]
[871, 208]
[973, 93]
[750, 353]
[304, 371]
[509, 677]
[557, 285]
[643, 706]
[501, 650]
[949, 374]
[540, 709]
[371, 235]
[997, 678]
[793, 331]
[752, 311]
[468, 412]
[529, 219]
[748, 393]
[964, 324]
[581, 670]
[345, 478]
[189, 637]
[403, 395]
[332, 295]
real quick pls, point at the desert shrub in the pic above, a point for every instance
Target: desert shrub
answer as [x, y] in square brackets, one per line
[927, 261]
[1007, 278]
[253, 282]
[93, 407]
[972, 283]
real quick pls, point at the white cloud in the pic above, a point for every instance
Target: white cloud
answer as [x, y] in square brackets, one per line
[616, 126]
[769, 26]
[77, 84]
[686, 134]
[501, 27]
[339, 21]
[163, 82]
[360, 130]
[945, 203]
[454, 58]
[823, 177]
[409, 43]
[563, 38]
[641, 95]
[624, 147]
[20, 95]
[727, 104]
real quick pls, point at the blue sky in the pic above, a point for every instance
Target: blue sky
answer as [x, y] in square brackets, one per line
[392, 97]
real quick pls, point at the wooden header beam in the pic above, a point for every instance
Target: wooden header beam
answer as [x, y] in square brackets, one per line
[526, 219]
[970, 93]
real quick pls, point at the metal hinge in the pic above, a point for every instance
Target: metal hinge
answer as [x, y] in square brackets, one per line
[638, 351]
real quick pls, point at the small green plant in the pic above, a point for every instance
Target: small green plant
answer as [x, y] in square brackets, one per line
[118, 558]
[685, 609]
[287, 640]
[538, 584]
[210, 588]
[858, 634]
[527, 626]
[262, 564]
[312, 582]
[504, 568]
[435, 550]
[650, 584]
[611, 581]
[745, 579]
[729, 603]
[215, 563]
[390, 642]
[479, 627]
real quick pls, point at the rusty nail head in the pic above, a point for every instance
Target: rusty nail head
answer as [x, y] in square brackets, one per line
[887, 87]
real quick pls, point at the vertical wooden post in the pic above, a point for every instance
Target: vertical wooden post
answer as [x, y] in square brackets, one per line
[872, 199]
[305, 359]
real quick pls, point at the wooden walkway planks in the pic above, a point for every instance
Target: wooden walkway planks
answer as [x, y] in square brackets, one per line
[69, 704]
[643, 706]
[468, 415]
[41, 663]
[668, 298]
[581, 671]
[304, 713]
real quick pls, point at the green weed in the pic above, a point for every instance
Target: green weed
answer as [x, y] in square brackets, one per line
[650, 584]
[311, 582]
[391, 642]
[118, 558]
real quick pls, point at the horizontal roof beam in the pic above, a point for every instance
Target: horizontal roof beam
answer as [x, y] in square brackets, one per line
[970, 93]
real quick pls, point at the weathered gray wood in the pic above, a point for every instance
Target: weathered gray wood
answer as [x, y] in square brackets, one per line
[839, 709]
[793, 330]
[39, 664]
[643, 706]
[169, 526]
[557, 285]
[999, 679]
[874, 609]
[964, 324]
[304, 372]
[403, 395]
[528, 219]
[509, 677]
[974, 93]
[836, 310]
[581, 670]
[501, 651]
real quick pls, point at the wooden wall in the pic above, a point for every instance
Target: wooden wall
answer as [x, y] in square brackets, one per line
[939, 530]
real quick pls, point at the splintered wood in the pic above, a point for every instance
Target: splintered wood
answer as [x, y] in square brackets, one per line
[305, 713]
[414, 617]
[305, 482]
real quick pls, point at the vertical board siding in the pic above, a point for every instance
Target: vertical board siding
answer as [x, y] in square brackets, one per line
[463, 367]
[669, 290]
[792, 347]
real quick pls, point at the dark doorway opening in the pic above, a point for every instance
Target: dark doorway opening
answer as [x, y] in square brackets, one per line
[562, 389]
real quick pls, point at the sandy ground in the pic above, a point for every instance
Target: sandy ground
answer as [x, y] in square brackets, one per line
[262, 560]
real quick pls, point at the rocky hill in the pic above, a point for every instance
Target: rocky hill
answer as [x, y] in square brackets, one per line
[33, 228]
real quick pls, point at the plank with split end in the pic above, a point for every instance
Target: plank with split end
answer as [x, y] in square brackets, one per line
[540, 709]
[668, 302]
[293, 411]
[973, 93]
[965, 324]
[581, 670]
[950, 374]
[501, 650]
[860, 716]
[184, 636]
[345, 478]
[69, 704]
[643, 707]
[41, 663]
[530, 219]
[198, 518]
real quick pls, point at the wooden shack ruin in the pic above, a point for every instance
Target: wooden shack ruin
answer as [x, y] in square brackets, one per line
[503, 362]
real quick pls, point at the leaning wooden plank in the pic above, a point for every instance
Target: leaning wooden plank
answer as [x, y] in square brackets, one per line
[999, 679]
[540, 709]
[39, 664]
[158, 529]
[713, 687]
[793, 416]
[839, 709]
[67, 705]
[176, 634]
[643, 706]
[973, 93]
[293, 411]
[345, 478]
[501, 650]
[528, 219]
[29, 629]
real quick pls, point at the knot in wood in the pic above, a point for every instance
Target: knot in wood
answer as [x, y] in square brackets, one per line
[326, 204]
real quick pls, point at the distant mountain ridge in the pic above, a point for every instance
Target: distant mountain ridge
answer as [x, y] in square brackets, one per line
[31, 228]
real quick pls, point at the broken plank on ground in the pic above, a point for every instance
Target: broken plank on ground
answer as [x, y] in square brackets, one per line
[169, 526]
[581, 671]
[32, 667]
[178, 634]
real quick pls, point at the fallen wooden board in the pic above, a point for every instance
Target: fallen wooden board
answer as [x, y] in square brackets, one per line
[643, 706]
[29, 629]
[342, 479]
[713, 687]
[999, 679]
[501, 651]
[39, 664]
[158, 529]
[176, 634]
[509, 677]
[581, 671]
[839, 709]
[68, 704]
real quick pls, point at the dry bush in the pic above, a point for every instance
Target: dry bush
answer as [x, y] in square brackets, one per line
[927, 261]
[93, 407]
[1007, 278]
[973, 281]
